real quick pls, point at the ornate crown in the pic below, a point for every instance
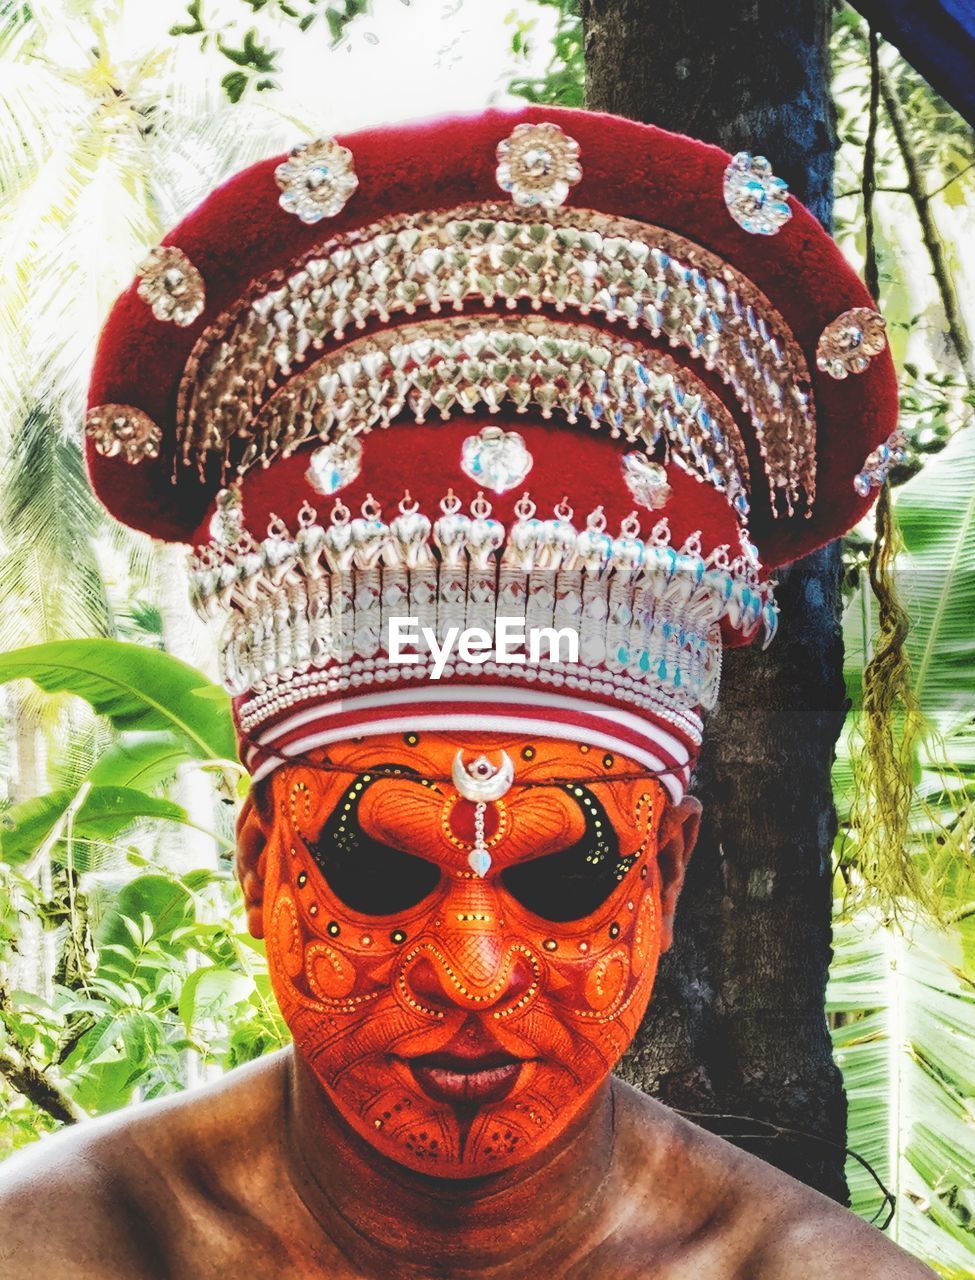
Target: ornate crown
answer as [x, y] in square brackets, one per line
[553, 367]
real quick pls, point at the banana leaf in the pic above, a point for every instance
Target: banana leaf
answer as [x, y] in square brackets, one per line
[135, 687]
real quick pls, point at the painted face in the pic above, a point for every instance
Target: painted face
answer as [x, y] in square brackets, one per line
[460, 1021]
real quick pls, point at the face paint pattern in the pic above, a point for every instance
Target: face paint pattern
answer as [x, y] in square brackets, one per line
[455, 1026]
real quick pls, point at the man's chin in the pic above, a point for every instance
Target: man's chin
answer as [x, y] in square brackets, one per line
[435, 1119]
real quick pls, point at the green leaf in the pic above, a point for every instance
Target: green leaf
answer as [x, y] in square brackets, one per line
[251, 54]
[135, 687]
[207, 990]
[144, 763]
[234, 85]
[98, 1043]
[141, 765]
[166, 902]
[105, 1086]
[104, 813]
[195, 26]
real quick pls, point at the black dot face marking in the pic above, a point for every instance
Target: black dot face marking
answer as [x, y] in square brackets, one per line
[397, 936]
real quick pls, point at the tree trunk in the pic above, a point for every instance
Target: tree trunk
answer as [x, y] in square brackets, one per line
[737, 1026]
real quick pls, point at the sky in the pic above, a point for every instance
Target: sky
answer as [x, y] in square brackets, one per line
[417, 59]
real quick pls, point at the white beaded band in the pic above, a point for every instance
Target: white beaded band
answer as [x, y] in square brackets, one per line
[456, 708]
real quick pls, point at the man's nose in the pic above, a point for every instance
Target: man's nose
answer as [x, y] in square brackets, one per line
[466, 961]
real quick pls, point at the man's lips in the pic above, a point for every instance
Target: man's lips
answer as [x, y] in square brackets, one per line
[448, 1077]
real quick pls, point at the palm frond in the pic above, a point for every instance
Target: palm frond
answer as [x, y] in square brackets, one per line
[936, 577]
[102, 151]
[49, 576]
[903, 1008]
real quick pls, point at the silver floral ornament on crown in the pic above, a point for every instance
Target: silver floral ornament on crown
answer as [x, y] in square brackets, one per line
[171, 286]
[317, 180]
[538, 164]
[121, 430]
[495, 458]
[646, 481]
[755, 197]
[879, 462]
[335, 465]
[850, 342]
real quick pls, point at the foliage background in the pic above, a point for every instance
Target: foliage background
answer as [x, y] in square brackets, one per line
[125, 969]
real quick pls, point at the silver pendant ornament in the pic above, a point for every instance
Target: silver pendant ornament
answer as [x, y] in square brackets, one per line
[482, 782]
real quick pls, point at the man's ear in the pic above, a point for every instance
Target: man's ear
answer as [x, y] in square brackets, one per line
[253, 829]
[675, 842]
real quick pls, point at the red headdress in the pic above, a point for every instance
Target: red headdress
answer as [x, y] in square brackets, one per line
[624, 375]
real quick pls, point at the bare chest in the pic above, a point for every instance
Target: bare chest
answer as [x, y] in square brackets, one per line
[216, 1245]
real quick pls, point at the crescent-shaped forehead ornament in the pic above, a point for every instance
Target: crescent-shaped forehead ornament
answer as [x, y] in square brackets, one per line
[481, 781]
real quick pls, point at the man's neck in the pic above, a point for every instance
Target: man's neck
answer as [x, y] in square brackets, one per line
[389, 1220]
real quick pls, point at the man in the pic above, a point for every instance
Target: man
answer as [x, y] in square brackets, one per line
[470, 721]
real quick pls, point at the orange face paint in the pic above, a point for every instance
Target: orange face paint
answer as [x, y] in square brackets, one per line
[461, 1022]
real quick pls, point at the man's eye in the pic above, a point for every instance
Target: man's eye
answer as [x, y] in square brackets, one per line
[575, 882]
[366, 875]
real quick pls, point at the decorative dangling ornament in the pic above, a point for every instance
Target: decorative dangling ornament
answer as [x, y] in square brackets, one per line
[227, 522]
[482, 782]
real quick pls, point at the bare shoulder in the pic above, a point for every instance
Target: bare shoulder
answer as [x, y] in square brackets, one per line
[823, 1243]
[736, 1216]
[65, 1212]
[94, 1200]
